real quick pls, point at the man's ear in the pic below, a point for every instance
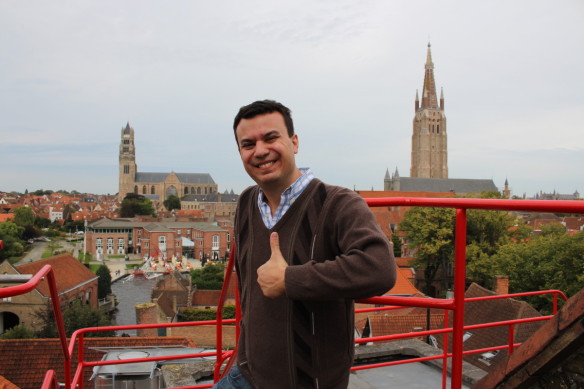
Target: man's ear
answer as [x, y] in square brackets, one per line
[295, 143]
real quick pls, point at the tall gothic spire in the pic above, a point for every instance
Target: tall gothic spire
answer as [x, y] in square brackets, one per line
[429, 98]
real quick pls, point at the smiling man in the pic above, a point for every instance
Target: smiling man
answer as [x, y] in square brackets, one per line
[305, 251]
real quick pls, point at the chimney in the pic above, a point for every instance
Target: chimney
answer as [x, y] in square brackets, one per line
[501, 285]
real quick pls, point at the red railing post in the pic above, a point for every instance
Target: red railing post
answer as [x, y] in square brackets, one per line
[80, 356]
[555, 308]
[459, 289]
[445, 347]
[511, 338]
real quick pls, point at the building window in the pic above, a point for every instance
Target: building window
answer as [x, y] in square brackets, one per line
[152, 190]
[228, 237]
[178, 232]
[126, 169]
[178, 243]
[121, 246]
[136, 189]
[110, 245]
[144, 189]
[215, 245]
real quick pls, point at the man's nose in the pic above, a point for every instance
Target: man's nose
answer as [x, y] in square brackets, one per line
[261, 150]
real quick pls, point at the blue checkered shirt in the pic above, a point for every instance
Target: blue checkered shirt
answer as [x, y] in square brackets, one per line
[286, 199]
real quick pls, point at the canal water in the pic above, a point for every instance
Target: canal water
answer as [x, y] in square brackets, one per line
[130, 291]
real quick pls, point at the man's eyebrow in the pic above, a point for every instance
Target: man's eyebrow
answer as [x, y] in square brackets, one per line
[270, 133]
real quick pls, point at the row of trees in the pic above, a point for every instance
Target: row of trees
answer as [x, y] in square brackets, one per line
[135, 204]
[497, 244]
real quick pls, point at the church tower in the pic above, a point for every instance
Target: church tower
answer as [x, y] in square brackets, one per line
[127, 166]
[429, 147]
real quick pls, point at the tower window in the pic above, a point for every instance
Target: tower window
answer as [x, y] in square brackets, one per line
[126, 169]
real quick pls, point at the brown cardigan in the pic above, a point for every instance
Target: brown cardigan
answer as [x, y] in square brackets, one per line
[336, 253]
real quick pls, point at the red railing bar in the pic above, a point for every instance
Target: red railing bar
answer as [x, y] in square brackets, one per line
[50, 380]
[411, 302]
[564, 206]
[149, 359]
[219, 317]
[523, 294]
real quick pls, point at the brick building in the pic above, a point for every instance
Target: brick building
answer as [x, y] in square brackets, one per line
[158, 239]
[74, 282]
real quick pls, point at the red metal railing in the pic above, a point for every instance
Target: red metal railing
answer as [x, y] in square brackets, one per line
[456, 304]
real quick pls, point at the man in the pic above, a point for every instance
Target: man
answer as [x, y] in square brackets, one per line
[305, 251]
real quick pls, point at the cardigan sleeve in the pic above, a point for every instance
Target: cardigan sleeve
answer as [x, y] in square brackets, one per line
[353, 258]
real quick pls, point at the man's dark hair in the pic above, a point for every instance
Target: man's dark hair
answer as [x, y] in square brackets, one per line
[263, 107]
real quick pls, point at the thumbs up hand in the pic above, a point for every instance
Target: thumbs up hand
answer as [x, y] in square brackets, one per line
[271, 274]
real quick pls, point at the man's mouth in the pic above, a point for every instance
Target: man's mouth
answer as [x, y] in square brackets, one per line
[266, 165]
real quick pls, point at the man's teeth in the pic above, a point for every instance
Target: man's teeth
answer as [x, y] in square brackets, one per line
[267, 164]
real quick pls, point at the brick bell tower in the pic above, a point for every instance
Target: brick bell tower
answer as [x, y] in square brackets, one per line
[127, 166]
[429, 146]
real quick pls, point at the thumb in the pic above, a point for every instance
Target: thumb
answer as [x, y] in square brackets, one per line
[275, 243]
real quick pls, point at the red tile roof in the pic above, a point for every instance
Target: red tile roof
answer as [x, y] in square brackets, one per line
[403, 285]
[6, 216]
[487, 311]
[26, 361]
[6, 384]
[380, 325]
[69, 272]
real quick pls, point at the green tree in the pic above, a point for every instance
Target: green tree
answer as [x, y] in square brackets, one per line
[11, 234]
[19, 332]
[75, 316]
[104, 282]
[24, 216]
[397, 245]
[208, 278]
[172, 202]
[552, 260]
[42, 222]
[134, 204]
[430, 232]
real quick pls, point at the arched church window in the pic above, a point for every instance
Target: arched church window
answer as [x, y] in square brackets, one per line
[192, 190]
[136, 189]
[171, 191]
[186, 190]
[199, 190]
[152, 190]
[144, 189]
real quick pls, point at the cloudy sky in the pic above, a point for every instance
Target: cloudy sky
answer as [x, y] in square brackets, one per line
[72, 74]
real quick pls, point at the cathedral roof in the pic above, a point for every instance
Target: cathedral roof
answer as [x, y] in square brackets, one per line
[212, 197]
[185, 178]
[456, 185]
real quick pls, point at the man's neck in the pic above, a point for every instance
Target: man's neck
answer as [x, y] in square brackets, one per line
[274, 195]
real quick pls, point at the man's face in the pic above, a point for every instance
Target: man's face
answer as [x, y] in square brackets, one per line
[267, 152]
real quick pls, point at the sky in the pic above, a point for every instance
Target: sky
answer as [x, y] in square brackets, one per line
[72, 74]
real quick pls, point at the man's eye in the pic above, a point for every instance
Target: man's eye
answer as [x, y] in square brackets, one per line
[247, 146]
